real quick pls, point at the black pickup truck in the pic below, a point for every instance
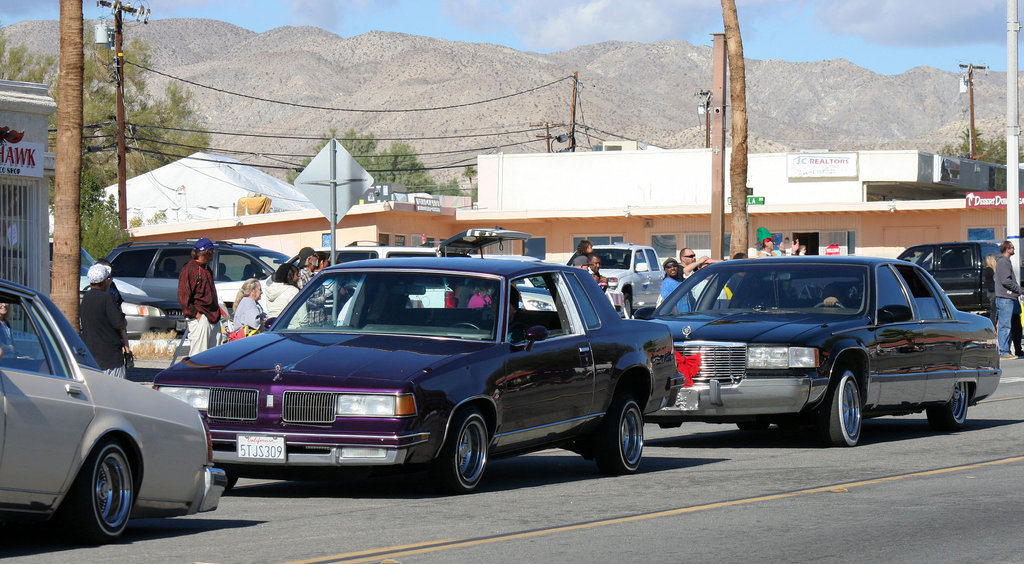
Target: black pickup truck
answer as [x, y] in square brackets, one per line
[960, 269]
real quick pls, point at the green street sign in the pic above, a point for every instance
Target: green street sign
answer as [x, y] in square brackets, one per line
[751, 200]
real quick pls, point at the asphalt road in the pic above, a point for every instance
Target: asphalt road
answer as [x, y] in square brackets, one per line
[704, 493]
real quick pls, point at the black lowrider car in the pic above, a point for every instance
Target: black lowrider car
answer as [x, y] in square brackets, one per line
[431, 362]
[825, 340]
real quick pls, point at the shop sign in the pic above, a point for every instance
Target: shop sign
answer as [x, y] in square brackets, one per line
[990, 199]
[17, 157]
[428, 205]
[821, 165]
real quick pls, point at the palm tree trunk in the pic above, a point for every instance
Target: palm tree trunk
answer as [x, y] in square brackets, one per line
[738, 100]
[68, 169]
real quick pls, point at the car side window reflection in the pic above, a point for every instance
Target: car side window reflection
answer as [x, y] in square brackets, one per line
[21, 344]
[590, 316]
[890, 291]
[928, 305]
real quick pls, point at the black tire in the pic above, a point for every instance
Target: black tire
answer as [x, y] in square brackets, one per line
[951, 416]
[232, 480]
[753, 425]
[100, 500]
[627, 305]
[460, 465]
[840, 418]
[619, 441]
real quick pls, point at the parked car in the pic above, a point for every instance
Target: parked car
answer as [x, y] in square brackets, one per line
[633, 270]
[960, 269]
[154, 266]
[84, 448]
[377, 364]
[828, 341]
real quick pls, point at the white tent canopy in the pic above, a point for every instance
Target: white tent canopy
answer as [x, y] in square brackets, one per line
[204, 186]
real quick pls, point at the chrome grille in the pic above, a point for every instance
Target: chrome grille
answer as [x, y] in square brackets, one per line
[233, 403]
[725, 362]
[309, 407]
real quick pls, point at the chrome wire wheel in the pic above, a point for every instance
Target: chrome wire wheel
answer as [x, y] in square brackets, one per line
[471, 455]
[850, 408]
[112, 489]
[958, 404]
[631, 437]
[840, 417]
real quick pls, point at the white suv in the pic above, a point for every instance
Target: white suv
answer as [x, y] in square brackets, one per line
[633, 270]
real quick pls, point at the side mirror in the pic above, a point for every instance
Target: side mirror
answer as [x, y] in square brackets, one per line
[535, 333]
[646, 312]
[894, 314]
[643, 267]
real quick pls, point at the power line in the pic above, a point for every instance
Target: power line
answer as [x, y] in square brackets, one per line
[320, 138]
[358, 110]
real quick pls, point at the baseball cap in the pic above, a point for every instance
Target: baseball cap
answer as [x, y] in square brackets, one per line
[670, 263]
[98, 273]
[204, 244]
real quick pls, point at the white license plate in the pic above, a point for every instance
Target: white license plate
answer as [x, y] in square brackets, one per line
[258, 447]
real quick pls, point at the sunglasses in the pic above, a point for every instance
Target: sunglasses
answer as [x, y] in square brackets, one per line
[689, 256]
[671, 266]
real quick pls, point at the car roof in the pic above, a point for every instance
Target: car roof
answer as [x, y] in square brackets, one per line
[804, 259]
[469, 265]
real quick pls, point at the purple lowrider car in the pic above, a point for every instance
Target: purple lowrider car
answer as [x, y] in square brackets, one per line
[432, 363]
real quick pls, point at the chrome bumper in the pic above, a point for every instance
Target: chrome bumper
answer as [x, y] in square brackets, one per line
[215, 480]
[751, 396]
[334, 456]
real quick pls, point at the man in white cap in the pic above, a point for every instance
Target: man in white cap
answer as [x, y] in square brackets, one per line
[103, 323]
[197, 295]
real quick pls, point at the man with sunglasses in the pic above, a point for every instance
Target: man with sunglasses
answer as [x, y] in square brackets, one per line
[689, 263]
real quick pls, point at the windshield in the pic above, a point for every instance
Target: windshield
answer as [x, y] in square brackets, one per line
[425, 304]
[614, 259]
[773, 288]
[272, 259]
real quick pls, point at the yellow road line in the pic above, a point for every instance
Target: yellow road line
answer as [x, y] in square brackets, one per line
[1001, 399]
[376, 555]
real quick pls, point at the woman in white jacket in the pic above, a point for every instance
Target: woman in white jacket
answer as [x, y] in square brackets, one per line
[284, 288]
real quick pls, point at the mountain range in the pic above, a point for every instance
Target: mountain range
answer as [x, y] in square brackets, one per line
[384, 83]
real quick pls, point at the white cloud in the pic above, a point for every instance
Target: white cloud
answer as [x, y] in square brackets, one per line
[921, 24]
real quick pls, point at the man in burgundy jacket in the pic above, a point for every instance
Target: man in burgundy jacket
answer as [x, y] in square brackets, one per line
[198, 298]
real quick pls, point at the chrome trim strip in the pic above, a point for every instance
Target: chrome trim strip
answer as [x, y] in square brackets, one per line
[562, 422]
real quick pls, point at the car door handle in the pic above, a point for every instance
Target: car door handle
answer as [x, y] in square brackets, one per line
[966, 275]
[72, 390]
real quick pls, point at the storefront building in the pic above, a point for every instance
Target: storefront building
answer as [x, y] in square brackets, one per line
[25, 172]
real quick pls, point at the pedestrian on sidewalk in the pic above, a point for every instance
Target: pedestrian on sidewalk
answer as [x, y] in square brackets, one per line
[1008, 294]
[103, 323]
[197, 295]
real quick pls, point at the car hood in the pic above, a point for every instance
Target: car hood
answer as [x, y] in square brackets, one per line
[754, 327]
[320, 359]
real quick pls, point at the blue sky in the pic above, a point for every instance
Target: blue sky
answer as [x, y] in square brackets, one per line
[885, 36]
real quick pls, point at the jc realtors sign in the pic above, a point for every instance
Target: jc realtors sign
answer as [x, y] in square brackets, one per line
[19, 158]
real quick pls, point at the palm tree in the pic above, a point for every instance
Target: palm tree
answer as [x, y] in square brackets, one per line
[738, 100]
[68, 168]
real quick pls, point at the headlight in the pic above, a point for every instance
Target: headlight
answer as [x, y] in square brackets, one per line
[612, 282]
[198, 398]
[781, 357]
[538, 305]
[370, 405]
[145, 311]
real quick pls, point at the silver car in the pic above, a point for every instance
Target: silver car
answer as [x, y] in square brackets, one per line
[82, 447]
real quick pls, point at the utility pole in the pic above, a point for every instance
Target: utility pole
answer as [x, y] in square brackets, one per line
[547, 131]
[705, 108]
[118, 8]
[970, 68]
[1012, 132]
[572, 113]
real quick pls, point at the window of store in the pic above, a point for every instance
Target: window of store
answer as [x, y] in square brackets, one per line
[665, 246]
[384, 239]
[699, 242]
[597, 239]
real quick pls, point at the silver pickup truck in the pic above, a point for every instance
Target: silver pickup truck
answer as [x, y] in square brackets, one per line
[633, 270]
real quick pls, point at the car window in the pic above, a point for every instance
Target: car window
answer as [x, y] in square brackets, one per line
[133, 263]
[233, 266]
[640, 258]
[170, 262]
[921, 256]
[928, 305]
[771, 288]
[349, 256]
[586, 307]
[890, 291]
[270, 259]
[614, 259]
[404, 303]
[652, 258]
[24, 348]
[954, 257]
[557, 315]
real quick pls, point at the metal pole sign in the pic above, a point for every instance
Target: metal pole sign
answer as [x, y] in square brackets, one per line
[332, 167]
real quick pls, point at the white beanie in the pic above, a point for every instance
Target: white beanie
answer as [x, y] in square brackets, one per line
[98, 273]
